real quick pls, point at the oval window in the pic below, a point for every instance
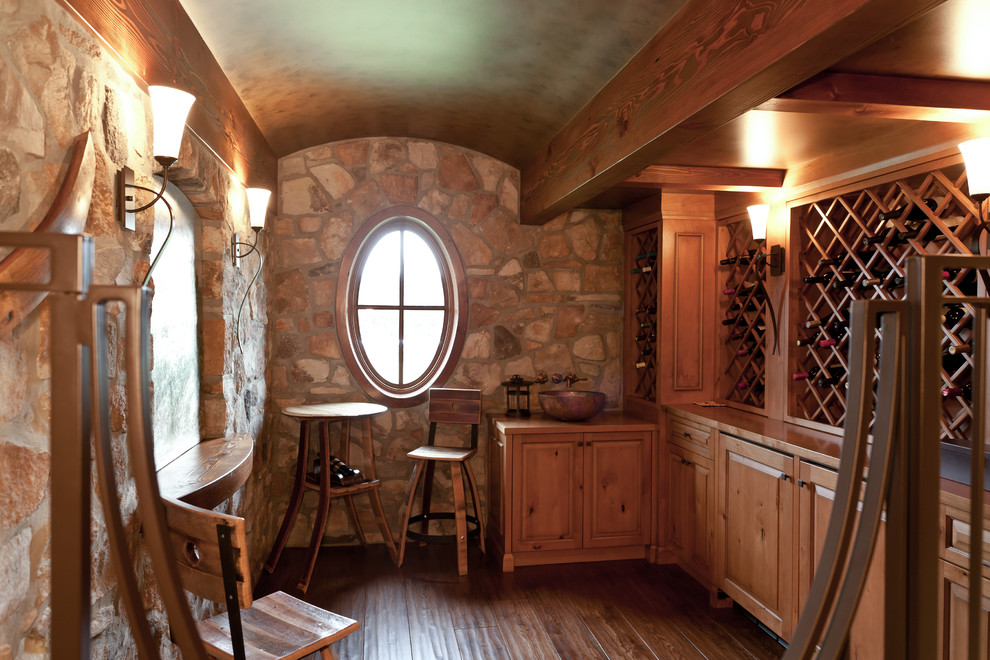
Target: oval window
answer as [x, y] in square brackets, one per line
[400, 305]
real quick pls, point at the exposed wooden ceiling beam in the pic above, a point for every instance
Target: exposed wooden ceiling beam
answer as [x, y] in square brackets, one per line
[892, 97]
[158, 43]
[711, 63]
[676, 177]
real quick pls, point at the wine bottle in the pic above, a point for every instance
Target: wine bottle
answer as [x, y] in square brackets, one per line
[953, 315]
[813, 323]
[817, 279]
[646, 350]
[648, 268]
[808, 340]
[745, 350]
[728, 261]
[728, 292]
[644, 336]
[872, 281]
[895, 282]
[959, 349]
[835, 373]
[952, 361]
[648, 324]
[646, 255]
[832, 261]
[843, 283]
[966, 391]
[915, 215]
[873, 240]
[732, 320]
[646, 309]
[737, 335]
[640, 365]
[805, 375]
[827, 342]
[902, 237]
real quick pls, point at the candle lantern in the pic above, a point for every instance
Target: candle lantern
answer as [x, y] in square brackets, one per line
[517, 396]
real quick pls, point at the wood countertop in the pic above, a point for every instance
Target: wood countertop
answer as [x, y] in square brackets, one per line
[807, 443]
[602, 422]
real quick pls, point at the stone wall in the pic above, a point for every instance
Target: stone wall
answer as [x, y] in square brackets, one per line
[542, 298]
[56, 81]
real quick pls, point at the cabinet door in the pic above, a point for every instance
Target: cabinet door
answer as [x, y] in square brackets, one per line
[756, 501]
[691, 497]
[547, 470]
[816, 494]
[954, 605]
[617, 489]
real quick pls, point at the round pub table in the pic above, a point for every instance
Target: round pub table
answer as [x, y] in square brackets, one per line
[323, 415]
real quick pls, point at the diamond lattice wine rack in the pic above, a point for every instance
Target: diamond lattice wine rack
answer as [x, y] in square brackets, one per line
[855, 246]
[644, 321]
[743, 308]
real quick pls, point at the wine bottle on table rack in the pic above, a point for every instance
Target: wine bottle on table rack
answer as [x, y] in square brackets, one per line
[966, 391]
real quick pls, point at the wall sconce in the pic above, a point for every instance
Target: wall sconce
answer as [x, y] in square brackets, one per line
[257, 212]
[169, 109]
[758, 215]
[976, 155]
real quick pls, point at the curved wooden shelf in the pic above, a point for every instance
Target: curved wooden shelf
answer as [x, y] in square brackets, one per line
[210, 472]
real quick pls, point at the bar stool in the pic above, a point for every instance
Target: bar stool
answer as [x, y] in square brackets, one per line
[447, 406]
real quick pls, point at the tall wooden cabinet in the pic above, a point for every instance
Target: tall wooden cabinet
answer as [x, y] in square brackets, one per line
[565, 492]
[690, 486]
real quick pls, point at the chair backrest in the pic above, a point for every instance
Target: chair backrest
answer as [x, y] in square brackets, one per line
[197, 542]
[455, 406]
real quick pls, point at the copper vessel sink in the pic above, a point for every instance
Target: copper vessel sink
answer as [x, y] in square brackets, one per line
[572, 405]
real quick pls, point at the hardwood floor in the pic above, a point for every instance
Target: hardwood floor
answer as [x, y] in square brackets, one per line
[626, 609]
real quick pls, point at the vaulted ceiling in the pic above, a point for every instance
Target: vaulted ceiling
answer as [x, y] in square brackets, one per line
[594, 101]
[508, 78]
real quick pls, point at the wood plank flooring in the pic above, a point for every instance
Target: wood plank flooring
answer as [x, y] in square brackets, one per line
[613, 610]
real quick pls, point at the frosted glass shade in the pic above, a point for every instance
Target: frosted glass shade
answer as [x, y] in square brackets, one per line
[976, 153]
[758, 214]
[169, 108]
[258, 206]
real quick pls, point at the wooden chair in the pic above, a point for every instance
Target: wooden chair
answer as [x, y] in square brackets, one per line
[447, 406]
[211, 552]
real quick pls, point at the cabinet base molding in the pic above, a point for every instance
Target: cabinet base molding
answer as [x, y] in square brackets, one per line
[509, 561]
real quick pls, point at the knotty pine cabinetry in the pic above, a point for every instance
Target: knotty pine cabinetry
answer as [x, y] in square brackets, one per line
[690, 487]
[816, 495]
[954, 575]
[756, 502]
[670, 315]
[566, 492]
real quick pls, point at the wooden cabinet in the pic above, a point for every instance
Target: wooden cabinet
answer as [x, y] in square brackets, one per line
[691, 519]
[756, 503]
[954, 612]
[816, 496]
[571, 492]
[690, 488]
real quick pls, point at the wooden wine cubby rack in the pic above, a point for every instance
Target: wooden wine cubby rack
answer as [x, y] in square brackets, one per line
[744, 318]
[644, 264]
[864, 256]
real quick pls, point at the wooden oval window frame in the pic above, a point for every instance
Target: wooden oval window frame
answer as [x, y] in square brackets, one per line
[455, 291]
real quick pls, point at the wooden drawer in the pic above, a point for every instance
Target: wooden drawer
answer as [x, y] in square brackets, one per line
[690, 435]
[956, 535]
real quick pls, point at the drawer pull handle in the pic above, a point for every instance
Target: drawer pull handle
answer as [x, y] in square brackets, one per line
[784, 476]
[801, 483]
[687, 435]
